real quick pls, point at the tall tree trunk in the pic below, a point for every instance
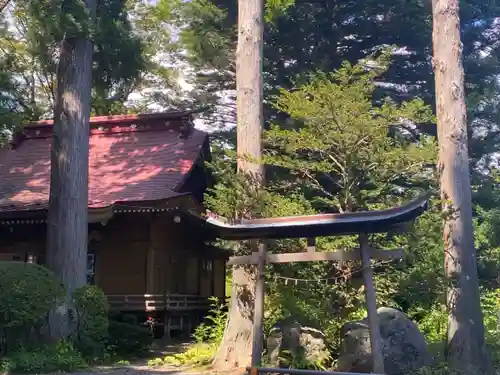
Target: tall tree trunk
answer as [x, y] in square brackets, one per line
[466, 346]
[3, 4]
[68, 204]
[235, 350]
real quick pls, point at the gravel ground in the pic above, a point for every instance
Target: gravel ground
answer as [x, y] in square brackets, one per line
[141, 368]
[136, 370]
[145, 370]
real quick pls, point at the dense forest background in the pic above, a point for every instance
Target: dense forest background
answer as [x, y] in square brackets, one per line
[366, 139]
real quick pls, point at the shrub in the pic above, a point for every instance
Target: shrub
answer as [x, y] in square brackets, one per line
[41, 359]
[128, 340]
[300, 362]
[27, 292]
[197, 354]
[490, 301]
[129, 319]
[212, 329]
[92, 309]
[434, 325]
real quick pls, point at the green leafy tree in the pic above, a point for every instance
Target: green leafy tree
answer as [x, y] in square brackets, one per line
[31, 44]
[24, 98]
[345, 152]
[304, 36]
[161, 82]
[338, 151]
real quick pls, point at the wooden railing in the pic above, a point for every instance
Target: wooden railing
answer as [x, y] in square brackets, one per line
[157, 302]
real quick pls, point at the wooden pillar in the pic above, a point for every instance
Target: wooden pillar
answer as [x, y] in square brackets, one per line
[258, 316]
[212, 276]
[179, 275]
[199, 274]
[151, 258]
[311, 245]
[371, 307]
[224, 275]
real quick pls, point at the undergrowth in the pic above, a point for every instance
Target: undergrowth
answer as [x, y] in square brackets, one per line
[47, 358]
[288, 360]
[207, 337]
[27, 293]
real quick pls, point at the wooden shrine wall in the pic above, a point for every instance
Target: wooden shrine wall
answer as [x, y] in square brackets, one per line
[120, 257]
[134, 254]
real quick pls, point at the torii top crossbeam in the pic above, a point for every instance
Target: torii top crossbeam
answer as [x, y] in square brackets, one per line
[315, 225]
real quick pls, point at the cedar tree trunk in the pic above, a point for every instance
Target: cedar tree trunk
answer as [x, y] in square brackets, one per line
[466, 347]
[3, 4]
[68, 218]
[236, 347]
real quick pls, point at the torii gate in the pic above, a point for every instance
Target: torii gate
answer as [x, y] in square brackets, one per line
[310, 227]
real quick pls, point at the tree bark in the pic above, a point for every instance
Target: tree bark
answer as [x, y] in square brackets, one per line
[249, 91]
[3, 4]
[466, 348]
[235, 350]
[68, 202]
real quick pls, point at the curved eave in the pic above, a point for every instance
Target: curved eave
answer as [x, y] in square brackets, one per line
[315, 225]
[33, 214]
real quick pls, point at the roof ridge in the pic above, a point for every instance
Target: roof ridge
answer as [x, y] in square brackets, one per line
[179, 121]
[122, 119]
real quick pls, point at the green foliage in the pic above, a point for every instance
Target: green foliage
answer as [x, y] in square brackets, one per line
[42, 359]
[433, 324]
[119, 59]
[339, 150]
[208, 335]
[490, 302]
[439, 369]
[300, 362]
[197, 354]
[240, 198]
[276, 8]
[300, 39]
[92, 309]
[339, 143]
[27, 292]
[321, 101]
[212, 329]
[31, 42]
[342, 152]
[59, 18]
[125, 340]
[210, 20]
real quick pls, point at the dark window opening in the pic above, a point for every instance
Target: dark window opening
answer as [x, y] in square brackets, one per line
[207, 266]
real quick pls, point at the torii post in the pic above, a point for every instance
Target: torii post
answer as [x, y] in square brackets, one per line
[310, 227]
[365, 253]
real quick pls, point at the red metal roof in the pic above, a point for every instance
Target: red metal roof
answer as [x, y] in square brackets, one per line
[132, 158]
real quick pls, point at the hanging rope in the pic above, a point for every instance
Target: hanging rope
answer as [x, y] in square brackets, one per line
[329, 280]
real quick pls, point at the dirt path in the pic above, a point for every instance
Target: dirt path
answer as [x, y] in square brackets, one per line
[136, 370]
[141, 368]
[146, 370]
